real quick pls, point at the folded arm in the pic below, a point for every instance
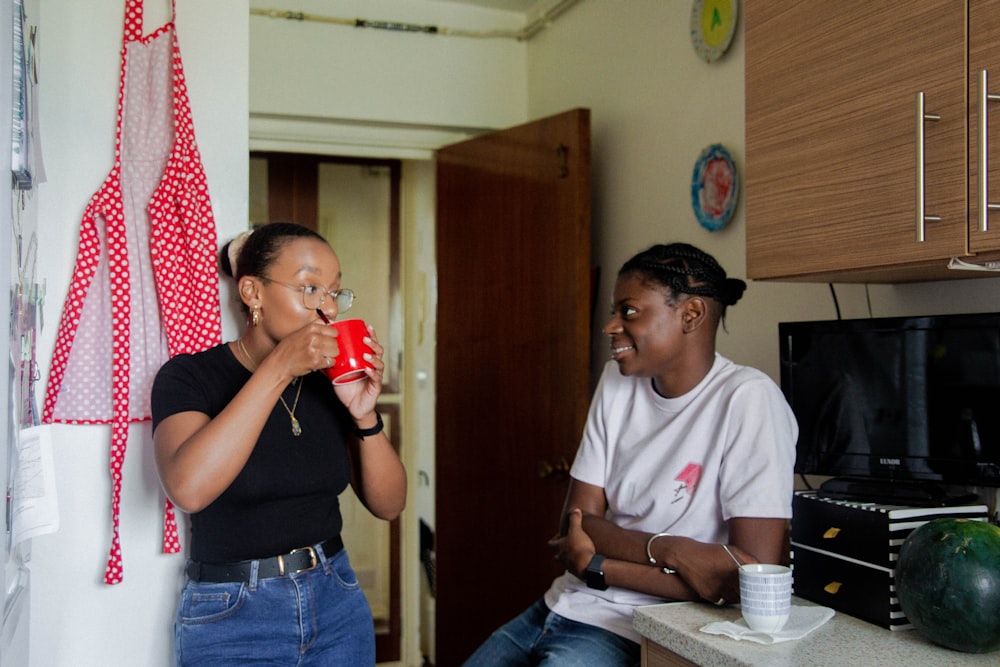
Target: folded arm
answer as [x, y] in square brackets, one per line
[702, 570]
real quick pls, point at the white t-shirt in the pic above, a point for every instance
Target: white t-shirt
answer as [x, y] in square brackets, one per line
[681, 465]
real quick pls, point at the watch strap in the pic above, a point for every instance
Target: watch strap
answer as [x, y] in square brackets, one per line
[374, 430]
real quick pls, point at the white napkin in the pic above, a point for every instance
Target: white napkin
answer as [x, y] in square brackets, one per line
[801, 621]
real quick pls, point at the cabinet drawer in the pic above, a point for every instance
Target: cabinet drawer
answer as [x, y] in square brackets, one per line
[861, 535]
[858, 590]
[864, 531]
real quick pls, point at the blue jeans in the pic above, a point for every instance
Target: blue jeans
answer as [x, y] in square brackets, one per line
[319, 617]
[540, 637]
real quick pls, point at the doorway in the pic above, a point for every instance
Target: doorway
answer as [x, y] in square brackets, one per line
[354, 204]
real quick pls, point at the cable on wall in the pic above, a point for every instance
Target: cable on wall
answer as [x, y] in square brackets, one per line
[836, 304]
[524, 34]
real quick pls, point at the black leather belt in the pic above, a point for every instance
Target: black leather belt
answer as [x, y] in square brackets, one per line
[297, 560]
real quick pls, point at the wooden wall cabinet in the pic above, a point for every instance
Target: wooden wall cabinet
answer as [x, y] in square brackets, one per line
[832, 138]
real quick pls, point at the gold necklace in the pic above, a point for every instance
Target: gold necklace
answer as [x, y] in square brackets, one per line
[296, 428]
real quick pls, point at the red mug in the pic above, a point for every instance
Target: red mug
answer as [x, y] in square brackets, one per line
[350, 364]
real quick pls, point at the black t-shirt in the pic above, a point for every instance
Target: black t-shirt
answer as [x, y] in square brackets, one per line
[286, 495]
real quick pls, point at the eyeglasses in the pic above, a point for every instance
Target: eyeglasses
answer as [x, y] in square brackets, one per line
[313, 297]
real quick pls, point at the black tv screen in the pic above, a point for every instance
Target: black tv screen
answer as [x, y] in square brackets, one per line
[896, 399]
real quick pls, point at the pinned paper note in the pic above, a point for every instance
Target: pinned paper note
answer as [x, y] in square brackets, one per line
[33, 508]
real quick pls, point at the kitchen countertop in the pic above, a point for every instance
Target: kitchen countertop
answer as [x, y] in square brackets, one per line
[842, 641]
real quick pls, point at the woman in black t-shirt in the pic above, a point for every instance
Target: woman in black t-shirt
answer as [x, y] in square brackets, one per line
[256, 444]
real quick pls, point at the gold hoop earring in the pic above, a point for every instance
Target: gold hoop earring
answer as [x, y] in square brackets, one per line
[255, 315]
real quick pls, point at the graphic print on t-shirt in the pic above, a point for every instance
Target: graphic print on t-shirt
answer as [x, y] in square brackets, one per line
[688, 480]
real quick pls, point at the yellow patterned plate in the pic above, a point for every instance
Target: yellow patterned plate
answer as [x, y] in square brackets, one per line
[713, 24]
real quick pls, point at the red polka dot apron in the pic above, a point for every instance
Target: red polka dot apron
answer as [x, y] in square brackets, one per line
[145, 285]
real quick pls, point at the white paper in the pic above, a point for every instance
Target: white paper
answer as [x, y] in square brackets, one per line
[33, 505]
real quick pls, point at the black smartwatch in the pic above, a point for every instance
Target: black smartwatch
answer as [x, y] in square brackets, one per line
[374, 430]
[594, 575]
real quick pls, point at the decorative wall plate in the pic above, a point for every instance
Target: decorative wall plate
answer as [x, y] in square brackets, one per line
[714, 188]
[713, 24]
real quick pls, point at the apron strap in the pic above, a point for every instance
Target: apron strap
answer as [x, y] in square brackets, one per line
[119, 268]
[132, 30]
[133, 21]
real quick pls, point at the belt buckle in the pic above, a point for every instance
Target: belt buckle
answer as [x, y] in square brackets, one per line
[313, 558]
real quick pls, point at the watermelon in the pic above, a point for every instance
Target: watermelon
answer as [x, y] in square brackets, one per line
[948, 583]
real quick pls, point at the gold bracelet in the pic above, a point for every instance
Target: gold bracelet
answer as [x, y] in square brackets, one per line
[649, 553]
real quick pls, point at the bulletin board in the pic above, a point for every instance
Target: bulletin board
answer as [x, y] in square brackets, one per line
[30, 486]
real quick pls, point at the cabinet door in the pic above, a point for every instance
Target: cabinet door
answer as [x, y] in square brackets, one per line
[831, 137]
[984, 54]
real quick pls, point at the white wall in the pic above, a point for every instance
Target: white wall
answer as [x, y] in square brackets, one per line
[76, 619]
[321, 70]
[655, 106]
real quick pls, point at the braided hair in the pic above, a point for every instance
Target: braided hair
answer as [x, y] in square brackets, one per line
[685, 269]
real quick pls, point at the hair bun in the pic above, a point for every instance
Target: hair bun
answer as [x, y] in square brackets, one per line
[731, 290]
[234, 249]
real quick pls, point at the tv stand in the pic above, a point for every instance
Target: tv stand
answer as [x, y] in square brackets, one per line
[891, 492]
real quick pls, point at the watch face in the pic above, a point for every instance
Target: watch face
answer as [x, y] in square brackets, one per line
[595, 573]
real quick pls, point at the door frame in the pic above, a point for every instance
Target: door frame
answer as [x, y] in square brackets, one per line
[415, 145]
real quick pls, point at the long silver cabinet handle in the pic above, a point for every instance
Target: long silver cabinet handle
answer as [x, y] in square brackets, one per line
[921, 216]
[983, 151]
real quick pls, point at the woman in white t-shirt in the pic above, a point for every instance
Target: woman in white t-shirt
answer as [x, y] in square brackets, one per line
[684, 470]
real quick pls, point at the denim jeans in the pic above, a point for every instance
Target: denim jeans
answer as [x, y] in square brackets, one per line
[319, 617]
[540, 637]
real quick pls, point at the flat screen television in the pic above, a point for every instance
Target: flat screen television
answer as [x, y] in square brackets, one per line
[896, 409]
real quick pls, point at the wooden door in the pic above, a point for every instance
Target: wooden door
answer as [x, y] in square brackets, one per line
[831, 137]
[513, 320]
[984, 54]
